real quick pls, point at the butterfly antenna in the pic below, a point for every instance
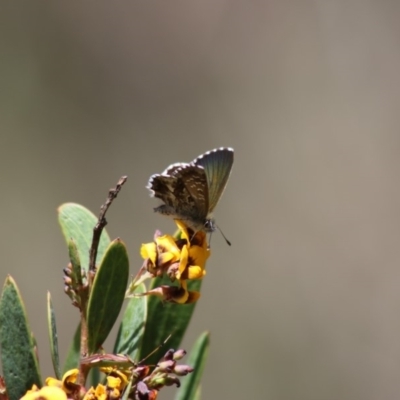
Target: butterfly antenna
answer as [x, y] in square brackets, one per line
[222, 233]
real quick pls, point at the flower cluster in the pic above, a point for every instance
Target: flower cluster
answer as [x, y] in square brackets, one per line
[181, 259]
[136, 378]
[68, 388]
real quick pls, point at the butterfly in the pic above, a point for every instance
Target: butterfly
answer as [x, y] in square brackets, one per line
[191, 191]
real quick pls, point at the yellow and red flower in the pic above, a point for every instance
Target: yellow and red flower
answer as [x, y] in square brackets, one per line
[180, 259]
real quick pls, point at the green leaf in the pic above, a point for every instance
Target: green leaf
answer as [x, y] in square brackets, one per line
[73, 355]
[107, 294]
[166, 319]
[190, 387]
[51, 321]
[18, 352]
[131, 330]
[197, 395]
[76, 262]
[77, 222]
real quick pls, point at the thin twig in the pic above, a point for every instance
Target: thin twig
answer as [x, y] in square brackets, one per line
[97, 230]
[102, 222]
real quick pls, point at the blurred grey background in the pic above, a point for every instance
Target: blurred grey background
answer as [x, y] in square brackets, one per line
[306, 303]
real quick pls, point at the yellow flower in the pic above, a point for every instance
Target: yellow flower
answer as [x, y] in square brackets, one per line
[113, 387]
[46, 393]
[186, 269]
[67, 384]
[117, 378]
[161, 253]
[50, 381]
[181, 259]
[195, 255]
[68, 381]
[99, 393]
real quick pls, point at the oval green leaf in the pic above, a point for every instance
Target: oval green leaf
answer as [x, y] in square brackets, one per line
[107, 294]
[130, 333]
[77, 222]
[18, 352]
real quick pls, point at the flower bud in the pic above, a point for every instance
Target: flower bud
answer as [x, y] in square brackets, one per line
[168, 355]
[141, 372]
[170, 380]
[182, 370]
[179, 354]
[166, 366]
[67, 280]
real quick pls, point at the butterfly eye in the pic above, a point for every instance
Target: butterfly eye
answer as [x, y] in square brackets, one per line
[209, 225]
